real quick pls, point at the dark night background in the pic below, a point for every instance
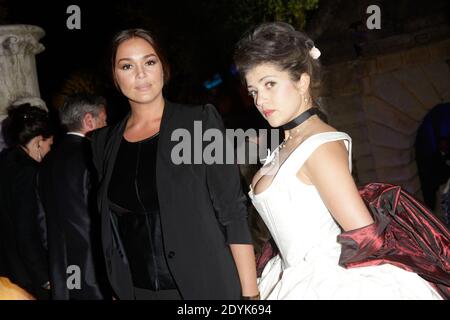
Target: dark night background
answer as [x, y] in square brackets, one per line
[197, 37]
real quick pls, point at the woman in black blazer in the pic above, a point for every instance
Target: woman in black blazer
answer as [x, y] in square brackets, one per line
[23, 257]
[170, 231]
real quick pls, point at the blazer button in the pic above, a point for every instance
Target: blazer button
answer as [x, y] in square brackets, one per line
[171, 254]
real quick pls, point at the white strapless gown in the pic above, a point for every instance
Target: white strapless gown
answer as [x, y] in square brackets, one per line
[306, 235]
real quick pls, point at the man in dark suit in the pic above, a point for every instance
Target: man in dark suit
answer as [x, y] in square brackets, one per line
[67, 192]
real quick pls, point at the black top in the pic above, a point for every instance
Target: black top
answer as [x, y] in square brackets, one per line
[134, 200]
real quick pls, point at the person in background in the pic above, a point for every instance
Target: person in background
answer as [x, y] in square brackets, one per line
[67, 189]
[23, 257]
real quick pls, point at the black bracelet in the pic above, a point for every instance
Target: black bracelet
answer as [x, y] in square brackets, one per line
[256, 297]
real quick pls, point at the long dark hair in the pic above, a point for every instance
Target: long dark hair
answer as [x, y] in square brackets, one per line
[24, 122]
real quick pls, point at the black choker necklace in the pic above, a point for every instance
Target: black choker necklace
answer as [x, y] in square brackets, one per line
[300, 119]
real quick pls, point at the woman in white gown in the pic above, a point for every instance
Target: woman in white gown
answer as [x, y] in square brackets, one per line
[305, 192]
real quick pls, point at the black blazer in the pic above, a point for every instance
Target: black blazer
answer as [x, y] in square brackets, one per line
[66, 186]
[23, 258]
[202, 211]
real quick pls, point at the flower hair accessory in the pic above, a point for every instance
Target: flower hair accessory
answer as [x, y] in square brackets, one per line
[314, 53]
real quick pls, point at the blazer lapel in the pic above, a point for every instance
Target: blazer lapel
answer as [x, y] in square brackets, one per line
[165, 131]
[164, 128]
[111, 150]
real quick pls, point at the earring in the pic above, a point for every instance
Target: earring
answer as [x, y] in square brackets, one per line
[39, 153]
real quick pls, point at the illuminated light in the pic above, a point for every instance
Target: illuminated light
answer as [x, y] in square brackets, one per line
[210, 84]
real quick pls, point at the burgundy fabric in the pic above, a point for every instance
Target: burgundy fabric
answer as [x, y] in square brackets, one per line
[268, 251]
[405, 234]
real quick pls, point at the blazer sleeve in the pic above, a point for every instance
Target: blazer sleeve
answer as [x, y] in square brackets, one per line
[225, 190]
[27, 226]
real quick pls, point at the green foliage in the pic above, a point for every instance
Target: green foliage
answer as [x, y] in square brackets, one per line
[251, 12]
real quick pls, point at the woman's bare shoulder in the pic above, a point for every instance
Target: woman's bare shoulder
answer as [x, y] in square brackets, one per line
[317, 128]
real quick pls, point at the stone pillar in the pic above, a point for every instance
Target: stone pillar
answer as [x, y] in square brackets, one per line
[18, 77]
